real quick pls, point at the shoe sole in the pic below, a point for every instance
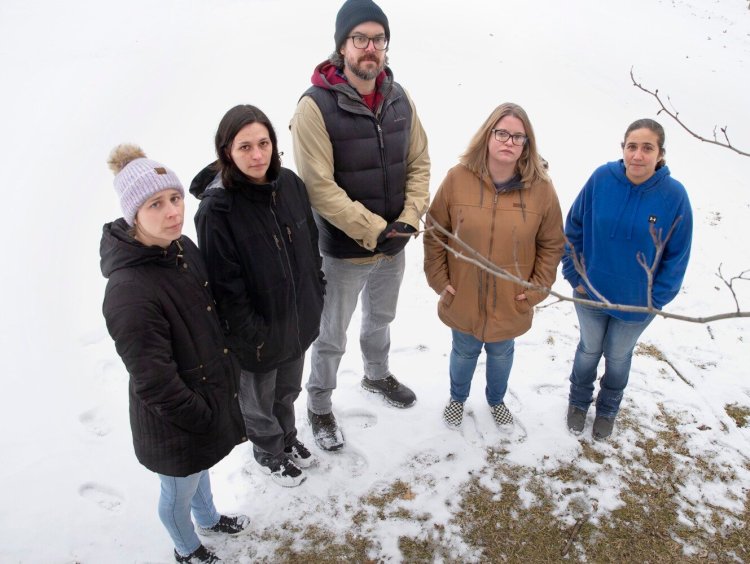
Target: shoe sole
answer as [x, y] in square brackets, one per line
[329, 448]
[388, 400]
[281, 481]
[333, 448]
[452, 426]
[210, 533]
[303, 463]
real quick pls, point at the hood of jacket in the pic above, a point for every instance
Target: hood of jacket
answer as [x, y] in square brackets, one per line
[617, 169]
[633, 194]
[208, 182]
[119, 250]
[207, 179]
[330, 77]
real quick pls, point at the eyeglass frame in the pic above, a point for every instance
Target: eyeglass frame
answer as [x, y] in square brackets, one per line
[372, 40]
[511, 136]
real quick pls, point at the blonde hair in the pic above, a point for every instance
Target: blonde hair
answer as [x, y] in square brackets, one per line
[529, 165]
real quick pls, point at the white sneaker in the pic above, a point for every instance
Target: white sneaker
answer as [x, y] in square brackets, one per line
[299, 454]
[282, 471]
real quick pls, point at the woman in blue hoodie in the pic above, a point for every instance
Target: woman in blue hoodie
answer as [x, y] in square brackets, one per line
[608, 227]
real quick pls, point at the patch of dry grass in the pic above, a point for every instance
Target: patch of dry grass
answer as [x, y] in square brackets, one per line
[511, 525]
[739, 413]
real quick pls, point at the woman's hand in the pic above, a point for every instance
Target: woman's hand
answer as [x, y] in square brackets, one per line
[580, 289]
[448, 289]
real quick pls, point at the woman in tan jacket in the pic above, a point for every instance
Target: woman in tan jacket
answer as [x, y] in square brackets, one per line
[499, 201]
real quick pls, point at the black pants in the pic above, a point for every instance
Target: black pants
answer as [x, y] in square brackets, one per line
[267, 404]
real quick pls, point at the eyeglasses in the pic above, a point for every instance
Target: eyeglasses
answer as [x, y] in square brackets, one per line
[362, 41]
[502, 136]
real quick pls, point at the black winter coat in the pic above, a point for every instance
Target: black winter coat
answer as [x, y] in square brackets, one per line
[260, 244]
[184, 412]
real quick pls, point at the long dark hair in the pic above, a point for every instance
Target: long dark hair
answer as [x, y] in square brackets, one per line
[229, 126]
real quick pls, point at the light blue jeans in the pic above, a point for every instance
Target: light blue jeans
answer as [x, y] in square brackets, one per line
[603, 335]
[378, 284]
[178, 496]
[463, 361]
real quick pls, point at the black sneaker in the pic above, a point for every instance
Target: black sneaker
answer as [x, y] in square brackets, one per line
[199, 555]
[282, 470]
[395, 393]
[326, 431]
[228, 525]
[299, 454]
[501, 415]
[603, 427]
[453, 414]
[576, 419]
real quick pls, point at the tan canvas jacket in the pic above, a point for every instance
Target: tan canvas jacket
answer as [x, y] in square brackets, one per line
[520, 231]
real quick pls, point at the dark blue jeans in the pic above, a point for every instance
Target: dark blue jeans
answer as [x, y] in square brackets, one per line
[464, 356]
[603, 335]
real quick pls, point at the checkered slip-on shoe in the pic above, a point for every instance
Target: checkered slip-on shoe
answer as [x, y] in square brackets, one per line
[501, 415]
[453, 414]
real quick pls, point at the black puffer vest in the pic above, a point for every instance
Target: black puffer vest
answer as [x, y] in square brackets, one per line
[369, 156]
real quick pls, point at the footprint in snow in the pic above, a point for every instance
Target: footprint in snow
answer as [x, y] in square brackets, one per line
[543, 389]
[111, 371]
[104, 496]
[415, 349]
[95, 422]
[93, 336]
[361, 418]
[471, 429]
[352, 460]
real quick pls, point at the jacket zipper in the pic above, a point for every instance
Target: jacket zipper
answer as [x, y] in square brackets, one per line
[282, 247]
[384, 167]
[489, 255]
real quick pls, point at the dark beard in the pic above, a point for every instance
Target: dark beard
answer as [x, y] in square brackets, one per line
[363, 74]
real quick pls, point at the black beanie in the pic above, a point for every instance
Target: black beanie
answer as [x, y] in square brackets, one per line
[355, 12]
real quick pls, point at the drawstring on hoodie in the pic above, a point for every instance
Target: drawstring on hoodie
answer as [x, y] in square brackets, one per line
[638, 195]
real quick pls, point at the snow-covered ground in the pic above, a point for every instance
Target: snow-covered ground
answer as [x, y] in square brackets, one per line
[80, 76]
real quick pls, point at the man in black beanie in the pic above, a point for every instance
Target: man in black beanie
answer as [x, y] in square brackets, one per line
[361, 150]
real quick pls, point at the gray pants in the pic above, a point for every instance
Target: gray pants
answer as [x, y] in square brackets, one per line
[267, 405]
[379, 284]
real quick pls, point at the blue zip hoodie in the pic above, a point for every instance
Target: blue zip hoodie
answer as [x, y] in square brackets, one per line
[608, 225]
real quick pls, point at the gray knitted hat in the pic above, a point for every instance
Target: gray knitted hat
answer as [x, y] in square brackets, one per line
[355, 12]
[138, 178]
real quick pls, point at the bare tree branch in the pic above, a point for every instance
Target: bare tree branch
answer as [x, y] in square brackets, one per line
[659, 244]
[744, 275]
[465, 252]
[674, 114]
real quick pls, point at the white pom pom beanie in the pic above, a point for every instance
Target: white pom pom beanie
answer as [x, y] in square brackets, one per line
[139, 180]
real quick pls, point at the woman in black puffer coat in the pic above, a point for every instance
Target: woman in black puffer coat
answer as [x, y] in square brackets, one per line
[184, 412]
[260, 243]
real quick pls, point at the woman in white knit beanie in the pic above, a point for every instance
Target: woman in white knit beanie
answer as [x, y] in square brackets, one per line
[184, 414]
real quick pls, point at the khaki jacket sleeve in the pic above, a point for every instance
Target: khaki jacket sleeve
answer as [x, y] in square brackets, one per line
[313, 156]
[417, 190]
[435, 254]
[550, 243]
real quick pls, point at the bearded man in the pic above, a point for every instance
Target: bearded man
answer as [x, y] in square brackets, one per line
[362, 153]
